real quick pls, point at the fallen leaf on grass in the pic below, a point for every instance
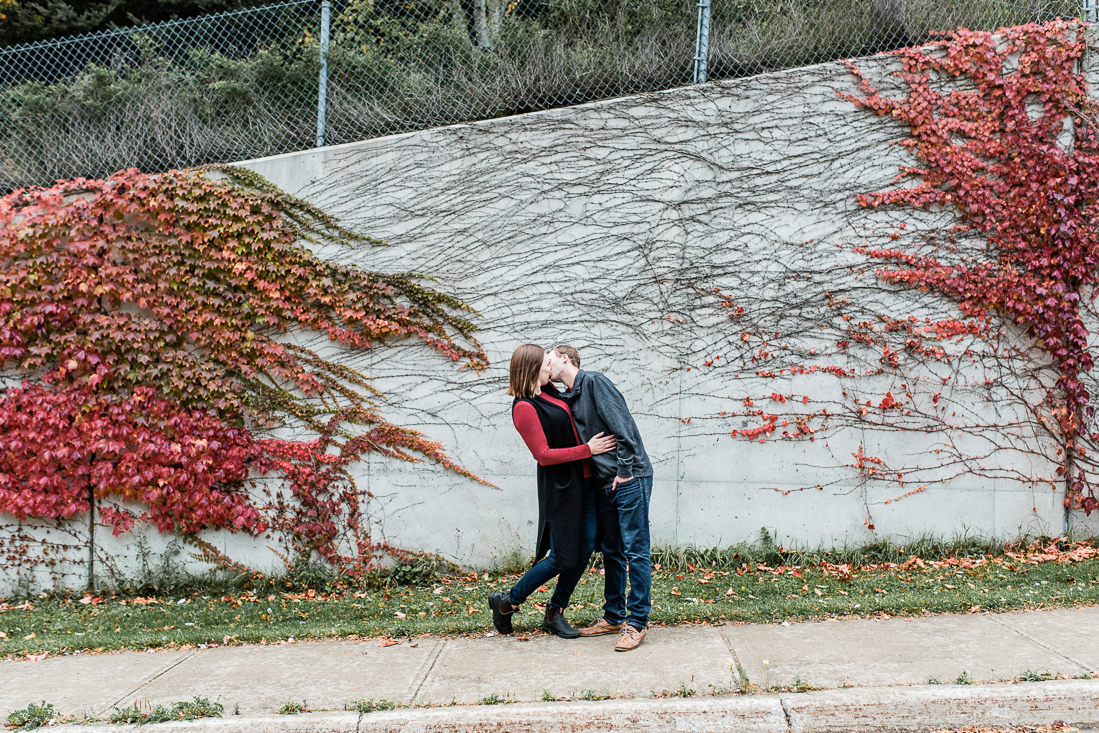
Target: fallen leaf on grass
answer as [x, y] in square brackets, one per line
[3, 635]
[30, 636]
[399, 614]
[37, 657]
[730, 592]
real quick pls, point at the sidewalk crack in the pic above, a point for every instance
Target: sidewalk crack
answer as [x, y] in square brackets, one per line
[427, 672]
[742, 682]
[158, 675]
[785, 703]
[1087, 668]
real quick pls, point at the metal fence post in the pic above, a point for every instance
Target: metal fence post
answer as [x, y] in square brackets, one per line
[702, 42]
[322, 86]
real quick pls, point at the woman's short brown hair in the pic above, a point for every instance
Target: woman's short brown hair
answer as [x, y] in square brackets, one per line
[526, 365]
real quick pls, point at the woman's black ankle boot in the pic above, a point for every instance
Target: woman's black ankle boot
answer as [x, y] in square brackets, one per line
[555, 623]
[501, 611]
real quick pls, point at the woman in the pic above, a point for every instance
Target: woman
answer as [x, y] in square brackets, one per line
[566, 503]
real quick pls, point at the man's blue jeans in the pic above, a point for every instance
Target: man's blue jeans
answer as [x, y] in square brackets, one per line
[547, 568]
[634, 553]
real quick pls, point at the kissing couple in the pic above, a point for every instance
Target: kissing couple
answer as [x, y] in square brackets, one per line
[594, 484]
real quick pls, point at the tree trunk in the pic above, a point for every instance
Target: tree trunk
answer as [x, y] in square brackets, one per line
[481, 20]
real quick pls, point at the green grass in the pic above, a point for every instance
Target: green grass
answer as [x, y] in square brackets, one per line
[686, 593]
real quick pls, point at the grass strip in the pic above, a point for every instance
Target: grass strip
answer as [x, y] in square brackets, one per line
[1040, 576]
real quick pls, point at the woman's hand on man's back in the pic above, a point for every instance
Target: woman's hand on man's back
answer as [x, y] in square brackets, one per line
[599, 444]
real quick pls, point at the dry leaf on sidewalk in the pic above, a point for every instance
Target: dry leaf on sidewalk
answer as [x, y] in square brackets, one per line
[390, 642]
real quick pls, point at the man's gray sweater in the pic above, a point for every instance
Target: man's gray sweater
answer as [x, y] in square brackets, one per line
[598, 407]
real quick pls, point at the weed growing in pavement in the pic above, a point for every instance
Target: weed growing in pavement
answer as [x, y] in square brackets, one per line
[963, 679]
[293, 708]
[594, 695]
[494, 699]
[683, 691]
[31, 717]
[1031, 676]
[802, 686]
[372, 706]
[199, 707]
[1000, 580]
[934, 681]
[547, 696]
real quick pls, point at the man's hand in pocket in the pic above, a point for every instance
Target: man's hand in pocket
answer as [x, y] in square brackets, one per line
[620, 480]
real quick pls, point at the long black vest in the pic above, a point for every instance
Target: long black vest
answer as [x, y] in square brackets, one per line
[560, 487]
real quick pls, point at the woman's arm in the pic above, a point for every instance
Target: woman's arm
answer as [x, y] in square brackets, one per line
[526, 422]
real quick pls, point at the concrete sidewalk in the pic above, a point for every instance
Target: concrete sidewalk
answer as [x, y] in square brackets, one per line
[255, 681]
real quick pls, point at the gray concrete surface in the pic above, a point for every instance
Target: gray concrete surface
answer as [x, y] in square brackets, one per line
[834, 711]
[259, 679]
[469, 669]
[899, 654]
[943, 706]
[865, 652]
[83, 684]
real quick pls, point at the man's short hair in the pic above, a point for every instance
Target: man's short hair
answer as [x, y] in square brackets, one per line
[566, 350]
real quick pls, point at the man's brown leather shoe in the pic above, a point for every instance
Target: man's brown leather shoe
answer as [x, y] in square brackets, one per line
[600, 627]
[630, 639]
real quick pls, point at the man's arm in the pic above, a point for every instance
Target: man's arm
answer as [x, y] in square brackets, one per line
[611, 407]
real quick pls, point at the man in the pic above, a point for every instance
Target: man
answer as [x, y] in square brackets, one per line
[626, 476]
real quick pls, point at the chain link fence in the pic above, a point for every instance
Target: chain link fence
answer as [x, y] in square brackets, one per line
[292, 76]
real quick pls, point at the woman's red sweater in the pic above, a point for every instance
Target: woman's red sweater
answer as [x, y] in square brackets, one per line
[526, 422]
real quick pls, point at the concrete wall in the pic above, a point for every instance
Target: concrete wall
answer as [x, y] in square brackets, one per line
[608, 226]
[592, 226]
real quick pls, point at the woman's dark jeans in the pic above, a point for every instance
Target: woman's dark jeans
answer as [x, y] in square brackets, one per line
[547, 568]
